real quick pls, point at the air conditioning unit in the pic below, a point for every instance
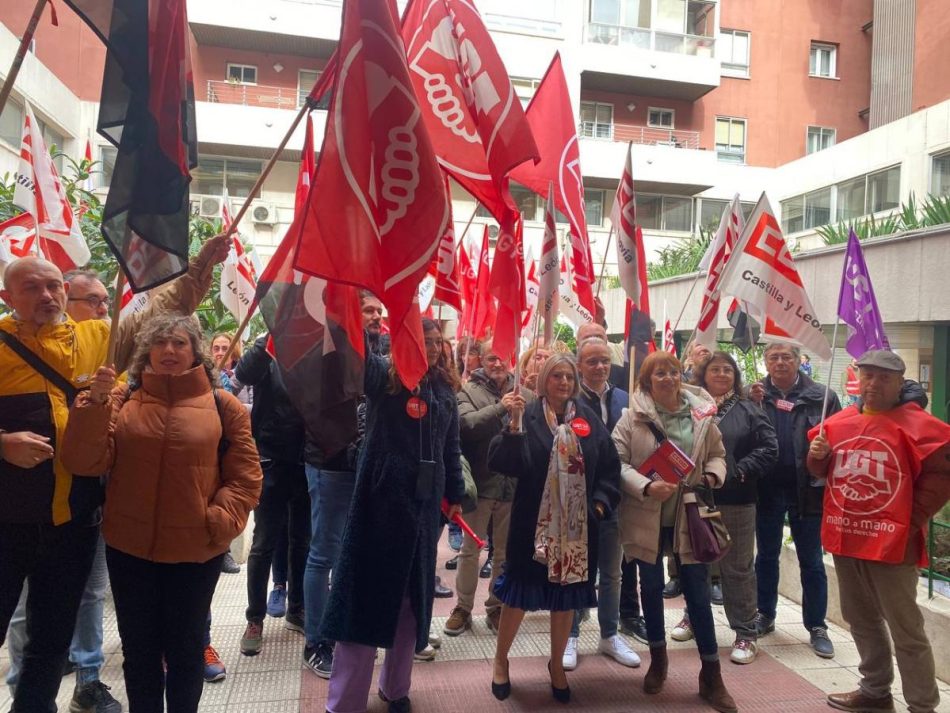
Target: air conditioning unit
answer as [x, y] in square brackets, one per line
[263, 213]
[210, 207]
[194, 206]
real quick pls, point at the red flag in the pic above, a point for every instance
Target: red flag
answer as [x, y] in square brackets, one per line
[307, 168]
[484, 313]
[377, 184]
[467, 279]
[623, 217]
[508, 285]
[638, 332]
[533, 293]
[553, 125]
[549, 275]
[471, 111]
[445, 268]
[730, 227]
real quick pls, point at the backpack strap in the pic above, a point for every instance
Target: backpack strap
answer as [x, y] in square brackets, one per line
[657, 433]
[41, 367]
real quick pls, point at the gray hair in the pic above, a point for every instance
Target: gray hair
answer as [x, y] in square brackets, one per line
[85, 274]
[555, 360]
[771, 346]
[590, 341]
[163, 325]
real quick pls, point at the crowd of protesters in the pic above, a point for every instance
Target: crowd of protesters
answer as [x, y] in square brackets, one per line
[139, 473]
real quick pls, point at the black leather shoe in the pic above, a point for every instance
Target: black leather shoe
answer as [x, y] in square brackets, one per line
[672, 589]
[400, 705]
[442, 592]
[561, 695]
[636, 627]
[502, 690]
[485, 571]
[715, 593]
[452, 563]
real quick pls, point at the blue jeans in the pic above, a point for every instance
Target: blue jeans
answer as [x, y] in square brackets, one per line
[330, 495]
[774, 503]
[694, 579]
[609, 555]
[85, 650]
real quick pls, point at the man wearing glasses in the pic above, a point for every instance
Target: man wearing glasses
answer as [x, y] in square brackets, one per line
[87, 297]
[793, 403]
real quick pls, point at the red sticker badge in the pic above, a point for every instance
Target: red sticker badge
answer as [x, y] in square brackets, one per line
[704, 411]
[580, 427]
[783, 405]
[416, 407]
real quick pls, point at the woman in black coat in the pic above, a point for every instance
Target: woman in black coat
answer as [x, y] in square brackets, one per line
[565, 581]
[751, 451]
[383, 582]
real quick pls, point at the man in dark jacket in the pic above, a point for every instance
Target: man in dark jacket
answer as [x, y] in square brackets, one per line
[793, 403]
[279, 432]
[608, 402]
[483, 406]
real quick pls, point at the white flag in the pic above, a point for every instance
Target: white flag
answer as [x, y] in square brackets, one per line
[550, 272]
[238, 273]
[571, 307]
[762, 273]
[623, 218]
[40, 193]
[132, 302]
[715, 259]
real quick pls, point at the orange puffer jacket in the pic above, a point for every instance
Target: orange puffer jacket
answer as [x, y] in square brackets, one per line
[167, 498]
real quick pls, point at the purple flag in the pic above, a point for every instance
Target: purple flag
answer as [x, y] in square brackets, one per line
[856, 304]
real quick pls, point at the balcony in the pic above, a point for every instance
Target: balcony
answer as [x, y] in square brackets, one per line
[254, 95]
[635, 60]
[651, 136]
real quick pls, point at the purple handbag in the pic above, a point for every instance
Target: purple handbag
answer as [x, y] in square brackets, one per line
[708, 536]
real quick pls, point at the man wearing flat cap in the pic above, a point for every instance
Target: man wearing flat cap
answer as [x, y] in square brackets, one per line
[887, 464]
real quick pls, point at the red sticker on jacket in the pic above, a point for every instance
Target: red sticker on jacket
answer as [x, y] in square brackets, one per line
[416, 407]
[580, 427]
[705, 410]
[783, 405]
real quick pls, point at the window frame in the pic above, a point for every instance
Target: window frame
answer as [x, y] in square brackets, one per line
[593, 135]
[731, 68]
[819, 47]
[671, 112]
[939, 156]
[821, 134]
[745, 138]
[242, 67]
[661, 212]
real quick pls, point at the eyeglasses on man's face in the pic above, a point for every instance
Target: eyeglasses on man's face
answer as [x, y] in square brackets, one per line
[91, 300]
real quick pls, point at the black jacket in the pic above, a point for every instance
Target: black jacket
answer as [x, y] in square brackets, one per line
[806, 413]
[275, 423]
[481, 418]
[751, 451]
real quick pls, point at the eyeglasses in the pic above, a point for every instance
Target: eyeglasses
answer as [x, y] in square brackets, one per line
[775, 358]
[91, 300]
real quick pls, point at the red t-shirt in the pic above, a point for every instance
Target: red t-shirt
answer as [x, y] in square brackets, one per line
[875, 459]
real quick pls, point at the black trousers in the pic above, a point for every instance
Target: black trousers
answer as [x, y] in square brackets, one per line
[162, 612]
[629, 596]
[284, 508]
[55, 560]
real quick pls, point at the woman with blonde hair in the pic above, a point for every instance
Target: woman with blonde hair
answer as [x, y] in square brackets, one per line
[568, 481]
[183, 475]
[653, 511]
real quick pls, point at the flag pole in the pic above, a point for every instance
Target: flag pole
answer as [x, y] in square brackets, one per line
[603, 263]
[690, 294]
[469, 223]
[21, 51]
[831, 364]
[116, 316]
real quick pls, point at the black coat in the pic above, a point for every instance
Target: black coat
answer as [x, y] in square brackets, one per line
[751, 449]
[525, 456]
[806, 413]
[389, 543]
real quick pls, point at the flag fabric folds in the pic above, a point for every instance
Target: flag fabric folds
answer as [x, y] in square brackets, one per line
[132, 302]
[857, 306]
[40, 193]
[549, 273]
[623, 218]
[147, 111]
[554, 127]
[485, 312]
[714, 261]
[639, 328]
[377, 182]
[762, 273]
[238, 273]
[444, 267]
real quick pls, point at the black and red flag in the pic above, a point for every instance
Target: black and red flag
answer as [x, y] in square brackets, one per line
[147, 111]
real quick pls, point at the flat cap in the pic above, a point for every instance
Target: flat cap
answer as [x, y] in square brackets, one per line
[882, 359]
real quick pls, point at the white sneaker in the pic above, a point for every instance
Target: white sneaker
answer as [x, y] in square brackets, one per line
[619, 650]
[569, 661]
[682, 631]
[427, 654]
[435, 638]
[743, 651]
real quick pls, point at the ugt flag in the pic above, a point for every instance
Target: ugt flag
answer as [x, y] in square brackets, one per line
[762, 273]
[857, 306]
[238, 273]
[730, 228]
[147, 111]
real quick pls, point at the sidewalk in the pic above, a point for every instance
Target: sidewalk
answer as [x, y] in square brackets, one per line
[786, 677]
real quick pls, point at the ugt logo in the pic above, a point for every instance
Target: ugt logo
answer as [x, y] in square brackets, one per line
[866, 475]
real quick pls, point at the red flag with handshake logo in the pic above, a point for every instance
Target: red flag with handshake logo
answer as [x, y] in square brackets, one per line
[378, 206]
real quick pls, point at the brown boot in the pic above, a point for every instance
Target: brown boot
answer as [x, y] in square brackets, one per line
[656, 675]
[713, 690]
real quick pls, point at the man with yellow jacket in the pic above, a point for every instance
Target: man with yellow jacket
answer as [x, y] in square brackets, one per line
[49, 521]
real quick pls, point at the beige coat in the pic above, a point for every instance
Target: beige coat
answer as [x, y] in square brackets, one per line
[640, 514]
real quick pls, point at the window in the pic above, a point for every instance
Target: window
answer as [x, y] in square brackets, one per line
[730, 139]
[660, 118]
[819, 138]
[306, 78]
[818, 208]
[710, 213]
[734, 52]
[594, 206]
[822, 60]
[672, 213]
[525, 89]
[107, 154]
[940, 180]
[627, 13]
[793, 214]
[214, 174]
[883, 191]
[597, 120]
[11, 124]
[851, 199]
[242, 73]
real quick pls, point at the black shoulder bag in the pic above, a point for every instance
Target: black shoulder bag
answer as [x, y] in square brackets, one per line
[41, 367]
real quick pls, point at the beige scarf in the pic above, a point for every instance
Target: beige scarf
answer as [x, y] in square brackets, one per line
[560, 536]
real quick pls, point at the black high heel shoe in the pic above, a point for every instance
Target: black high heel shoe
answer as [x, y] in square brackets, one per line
[502, 690]
[561, 695]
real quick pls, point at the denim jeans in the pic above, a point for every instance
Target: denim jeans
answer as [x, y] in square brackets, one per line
[283, 499]
[330, 495]
[774, 503]
[55, 561]
[609, 555]
[694, 579]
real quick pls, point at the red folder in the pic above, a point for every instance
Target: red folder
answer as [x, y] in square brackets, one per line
[668, 462]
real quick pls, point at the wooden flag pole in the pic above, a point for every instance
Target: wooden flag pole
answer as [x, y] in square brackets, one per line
[831, 365]
[603, 263]
[21, 52]
[116, 316]
[683, 308]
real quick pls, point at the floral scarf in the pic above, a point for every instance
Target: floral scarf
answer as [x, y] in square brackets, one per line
[560, 536]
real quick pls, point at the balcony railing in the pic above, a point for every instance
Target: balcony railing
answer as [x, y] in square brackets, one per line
[650, 135]
[647, 39]
[254, 95]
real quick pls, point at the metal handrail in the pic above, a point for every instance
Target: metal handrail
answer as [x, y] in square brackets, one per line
[225, 92]
[648, 135]
[931, 574]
